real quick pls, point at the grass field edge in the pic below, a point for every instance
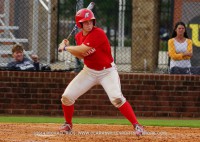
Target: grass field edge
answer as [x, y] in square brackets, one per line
[193, 123]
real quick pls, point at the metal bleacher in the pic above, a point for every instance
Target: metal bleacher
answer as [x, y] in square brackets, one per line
[7, 37]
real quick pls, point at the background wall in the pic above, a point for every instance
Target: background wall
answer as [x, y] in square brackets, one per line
[151, 95]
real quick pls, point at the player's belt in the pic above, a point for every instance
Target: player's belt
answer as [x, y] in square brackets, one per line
[106, 67]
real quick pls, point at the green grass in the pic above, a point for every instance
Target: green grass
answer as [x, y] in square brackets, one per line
[110, 121]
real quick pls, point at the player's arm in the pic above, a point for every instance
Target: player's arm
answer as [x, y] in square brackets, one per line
[79, 51]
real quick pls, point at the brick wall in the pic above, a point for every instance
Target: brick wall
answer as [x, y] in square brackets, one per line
[151, 95]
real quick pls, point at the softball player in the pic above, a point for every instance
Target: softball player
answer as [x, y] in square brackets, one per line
[94, 48]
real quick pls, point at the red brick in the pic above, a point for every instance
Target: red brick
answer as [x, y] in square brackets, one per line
[162, 103]
[44, 90]
[32, 112]
[57, 91]
[126, 76]
[175, 83]
[30, 101]
[5, 73]
[135, 76]
[18, 79]
[162, 114]
[141, 77]
[57, 101]
[33, 90]
[152, 77]
[187, 114]
[186, 103]
[44, 101]
[180, 88]
[149, 82]
[44, 112]
[172, 77]
[157, 77]
[17, 90]
[18, 111]
[17, 101]
[130, 76]
[145, 87]
[94, 91]
[100, 96]
[57, 113]
[170, 88]
[135, 82]
[193, 88]
[99, 113]
[174, 114]
[150, 95]
[176, 93]
[37, 106]
[196, 115]
[7, 106]
[177, 103]
[22, 95]
[146, 77]
[83, 113]
[51, 107]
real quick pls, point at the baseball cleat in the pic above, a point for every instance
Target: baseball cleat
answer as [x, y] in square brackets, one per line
[139, 130]
[66, 127]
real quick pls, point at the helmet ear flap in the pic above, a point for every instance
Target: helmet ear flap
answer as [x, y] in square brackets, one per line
[81, 25]
[94, 22]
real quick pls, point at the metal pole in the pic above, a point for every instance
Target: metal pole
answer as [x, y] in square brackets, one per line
[35, 27]
[7, 15]
[119, 24]
[123, 18]
[79, 5]
[49, 32]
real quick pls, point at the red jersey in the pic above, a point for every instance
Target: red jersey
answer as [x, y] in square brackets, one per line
[99, 57]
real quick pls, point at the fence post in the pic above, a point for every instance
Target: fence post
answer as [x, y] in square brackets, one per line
[145, 34]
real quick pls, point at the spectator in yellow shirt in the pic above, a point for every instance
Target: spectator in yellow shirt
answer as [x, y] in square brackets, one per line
[180, 49]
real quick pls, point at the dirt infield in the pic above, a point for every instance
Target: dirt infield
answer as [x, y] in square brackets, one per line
[18, 132]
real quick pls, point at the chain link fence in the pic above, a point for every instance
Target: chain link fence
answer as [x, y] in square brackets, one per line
[138, 31]
[31, 24]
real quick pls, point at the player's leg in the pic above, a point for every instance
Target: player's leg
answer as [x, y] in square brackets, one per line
[78, 86]
[112, 86]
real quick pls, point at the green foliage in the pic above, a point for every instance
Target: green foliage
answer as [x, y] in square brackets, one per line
[67, 9]
[163, 46]
[106, 14]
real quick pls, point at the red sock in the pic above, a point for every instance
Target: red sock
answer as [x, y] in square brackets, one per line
[128, 112]
[68, 113]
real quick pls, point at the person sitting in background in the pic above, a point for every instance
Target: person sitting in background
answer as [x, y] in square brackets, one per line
[20, 62]
[180, 50]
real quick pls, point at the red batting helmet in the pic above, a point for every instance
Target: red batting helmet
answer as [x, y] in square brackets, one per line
[84, 15]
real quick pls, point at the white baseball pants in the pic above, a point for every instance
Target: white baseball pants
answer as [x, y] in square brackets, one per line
[87, 78]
